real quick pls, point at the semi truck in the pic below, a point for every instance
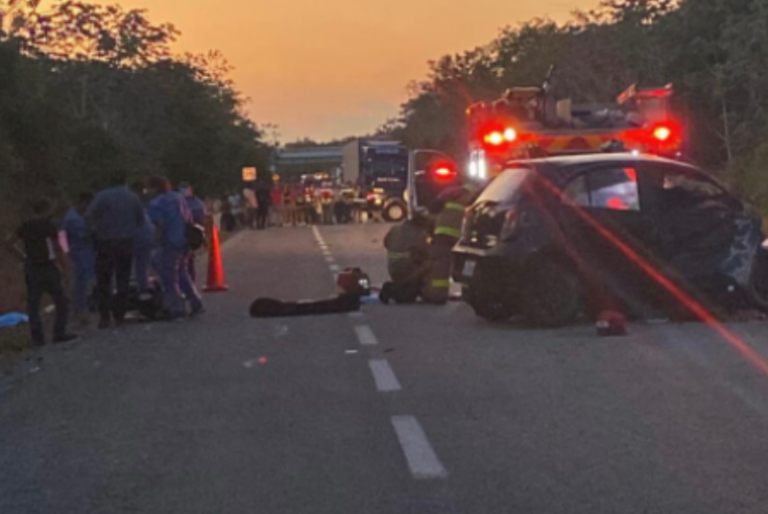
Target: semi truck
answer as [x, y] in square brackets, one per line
[379, 168]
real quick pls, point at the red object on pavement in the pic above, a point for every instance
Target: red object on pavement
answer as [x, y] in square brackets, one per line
[611, 323]
[216, 282]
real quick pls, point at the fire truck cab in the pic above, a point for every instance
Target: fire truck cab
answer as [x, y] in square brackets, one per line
[526, 122]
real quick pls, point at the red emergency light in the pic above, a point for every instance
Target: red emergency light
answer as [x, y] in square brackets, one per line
[499, 137]
[444, 171]
[662, 133]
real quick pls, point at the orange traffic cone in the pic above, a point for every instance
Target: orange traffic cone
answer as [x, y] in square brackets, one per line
[215, 281]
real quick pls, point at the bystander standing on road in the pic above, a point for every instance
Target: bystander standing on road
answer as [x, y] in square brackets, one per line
[116, 217]
[290, 203]
[171, 215]
[143, 245]
[82, 256]
[263, 197]
[326, 204]
[277, 206]
[251, 205]
[43, 259]
[198, 211]
[228, 221]
[213, 206]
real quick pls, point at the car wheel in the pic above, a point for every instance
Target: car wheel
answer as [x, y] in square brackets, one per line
[394, 212]
[487, 298]
[553, 295]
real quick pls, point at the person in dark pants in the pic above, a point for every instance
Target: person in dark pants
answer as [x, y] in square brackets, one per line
[263, 199]
[43, 258]
[116, 217]
[171, 215]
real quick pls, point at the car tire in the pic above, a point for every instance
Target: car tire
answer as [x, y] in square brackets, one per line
[553, 294]
[488, 300]
[395, 212]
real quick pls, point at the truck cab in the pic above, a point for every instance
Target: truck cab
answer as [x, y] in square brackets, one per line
[380, 170]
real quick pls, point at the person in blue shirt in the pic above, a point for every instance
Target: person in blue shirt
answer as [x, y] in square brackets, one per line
[81, 254]
[143, 246]
[116, 216]
[169, 212]
[197, 208]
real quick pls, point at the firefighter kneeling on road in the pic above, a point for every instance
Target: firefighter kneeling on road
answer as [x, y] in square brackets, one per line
[407, 247]
[449, 210]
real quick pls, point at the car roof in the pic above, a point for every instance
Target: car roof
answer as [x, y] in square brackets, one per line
[563, 167]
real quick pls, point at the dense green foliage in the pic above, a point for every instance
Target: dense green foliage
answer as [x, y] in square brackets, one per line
[715, 52]
[90, 91]
[87, 90]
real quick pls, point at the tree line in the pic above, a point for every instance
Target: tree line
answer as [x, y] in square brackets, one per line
[715, 52]
[88, 90]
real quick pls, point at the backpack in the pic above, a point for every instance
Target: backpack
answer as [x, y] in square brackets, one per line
[195, 236]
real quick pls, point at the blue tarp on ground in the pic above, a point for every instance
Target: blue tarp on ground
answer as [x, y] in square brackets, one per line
[12, 319]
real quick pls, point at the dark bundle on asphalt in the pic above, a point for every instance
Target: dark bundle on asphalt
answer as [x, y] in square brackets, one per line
[271, 308]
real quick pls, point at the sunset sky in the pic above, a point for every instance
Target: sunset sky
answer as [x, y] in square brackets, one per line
[332, 68]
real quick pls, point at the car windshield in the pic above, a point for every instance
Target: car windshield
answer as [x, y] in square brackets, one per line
[506, 188]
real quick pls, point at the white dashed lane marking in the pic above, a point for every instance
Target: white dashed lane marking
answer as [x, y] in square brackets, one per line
[384, 376]
[419, 454]
[421, 457]
[365, 335]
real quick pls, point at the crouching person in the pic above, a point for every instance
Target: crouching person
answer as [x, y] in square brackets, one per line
[408, 257]
[169, 212]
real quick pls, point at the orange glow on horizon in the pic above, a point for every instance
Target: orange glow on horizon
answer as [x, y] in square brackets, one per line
[340, 67]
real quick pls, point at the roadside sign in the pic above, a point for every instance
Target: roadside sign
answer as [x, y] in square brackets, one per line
[249, 174]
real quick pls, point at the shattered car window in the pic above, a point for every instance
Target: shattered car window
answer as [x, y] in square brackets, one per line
[694, 187]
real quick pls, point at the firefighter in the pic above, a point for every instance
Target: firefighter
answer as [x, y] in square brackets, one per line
[407, 247]
[449, 209]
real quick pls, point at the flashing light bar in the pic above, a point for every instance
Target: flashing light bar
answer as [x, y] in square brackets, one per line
[497, 138]
[662, 133]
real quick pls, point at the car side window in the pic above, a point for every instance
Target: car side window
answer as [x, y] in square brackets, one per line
[693, 186]
[609, 188]
[615, 189]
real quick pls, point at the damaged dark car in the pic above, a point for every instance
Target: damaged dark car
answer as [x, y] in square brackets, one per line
[552, 239]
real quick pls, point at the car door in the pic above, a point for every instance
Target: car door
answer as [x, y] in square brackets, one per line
[707, 236]
[607, 225]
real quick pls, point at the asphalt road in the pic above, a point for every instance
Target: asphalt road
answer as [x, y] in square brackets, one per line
[405, 410]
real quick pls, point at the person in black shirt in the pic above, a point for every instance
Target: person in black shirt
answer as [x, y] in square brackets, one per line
[42, 256]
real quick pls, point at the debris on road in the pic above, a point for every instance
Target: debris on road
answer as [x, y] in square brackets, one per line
[253, 362]
[611, 324]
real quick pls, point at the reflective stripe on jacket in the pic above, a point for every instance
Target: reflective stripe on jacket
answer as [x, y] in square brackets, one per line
[450, 219]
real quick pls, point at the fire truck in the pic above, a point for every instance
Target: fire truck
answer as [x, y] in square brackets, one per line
[527, 122]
